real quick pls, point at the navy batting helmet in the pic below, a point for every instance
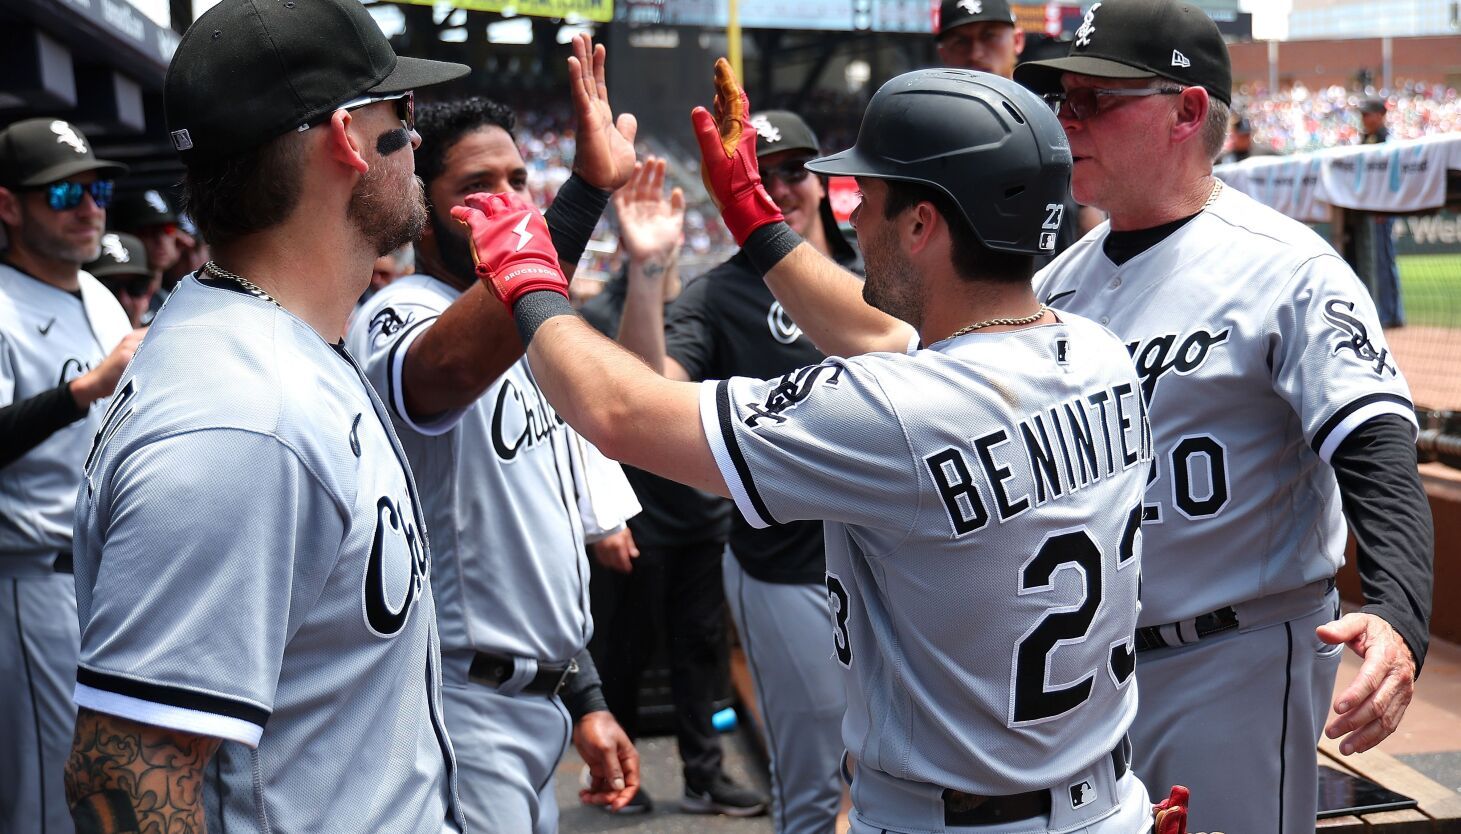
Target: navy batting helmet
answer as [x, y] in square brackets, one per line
[992, 146]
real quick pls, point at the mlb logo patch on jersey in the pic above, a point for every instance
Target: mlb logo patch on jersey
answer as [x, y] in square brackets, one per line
[1082, 793]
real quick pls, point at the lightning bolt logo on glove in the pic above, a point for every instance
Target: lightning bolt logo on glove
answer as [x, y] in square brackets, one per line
[511, 246]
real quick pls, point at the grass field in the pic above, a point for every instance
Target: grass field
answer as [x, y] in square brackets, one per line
[1430, 286]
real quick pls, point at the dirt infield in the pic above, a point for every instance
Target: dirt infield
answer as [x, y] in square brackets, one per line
[1430, 358]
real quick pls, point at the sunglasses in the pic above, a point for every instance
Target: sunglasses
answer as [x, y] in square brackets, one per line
[138, 287]
[66, 195]
[1084, 102]
[790, 173]
[405, 108]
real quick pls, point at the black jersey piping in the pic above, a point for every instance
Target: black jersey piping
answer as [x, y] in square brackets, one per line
[173, 696]
[728, 435]
[34, 706]
[1339, 416]
[1283, 736]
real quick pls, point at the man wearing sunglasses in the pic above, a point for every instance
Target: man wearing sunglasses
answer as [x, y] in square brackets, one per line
[124, 269]
[1277, 412]
[253, 573]
[63, 343]
[727, 324]
[149, 215]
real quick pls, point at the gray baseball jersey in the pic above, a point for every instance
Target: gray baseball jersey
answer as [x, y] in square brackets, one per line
[982, 542]
[251, 565]
[47, 337]
[1259, 352]
[498, 490]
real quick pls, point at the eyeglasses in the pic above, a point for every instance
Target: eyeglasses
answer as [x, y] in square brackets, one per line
[405, 108]
[1084, 102]
[791, 173]
[138, 287]
[66, 195]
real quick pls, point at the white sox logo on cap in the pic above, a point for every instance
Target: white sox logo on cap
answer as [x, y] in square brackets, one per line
[1088, 27]
[112, 245]
[155, 200]
[765, 129]
[972, 6]
[67, 135]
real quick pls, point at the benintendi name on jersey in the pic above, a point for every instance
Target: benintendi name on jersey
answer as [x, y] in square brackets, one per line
[1081, 441]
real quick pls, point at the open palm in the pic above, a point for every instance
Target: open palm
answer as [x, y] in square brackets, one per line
[650, 223]
[605, 154]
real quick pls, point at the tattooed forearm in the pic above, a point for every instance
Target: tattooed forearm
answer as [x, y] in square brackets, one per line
[123, 777]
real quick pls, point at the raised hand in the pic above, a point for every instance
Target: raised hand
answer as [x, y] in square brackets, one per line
[728, 158]
[510, 245]
[650, 223]
[605, 148]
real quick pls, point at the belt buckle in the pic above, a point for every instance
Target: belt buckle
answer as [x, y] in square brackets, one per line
[568, 672]
[959, 802]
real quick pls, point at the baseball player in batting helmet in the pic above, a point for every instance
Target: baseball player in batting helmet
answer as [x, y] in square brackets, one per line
[253, 582]
[985, 479]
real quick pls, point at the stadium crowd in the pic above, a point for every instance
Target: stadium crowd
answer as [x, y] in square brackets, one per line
[1300, 119]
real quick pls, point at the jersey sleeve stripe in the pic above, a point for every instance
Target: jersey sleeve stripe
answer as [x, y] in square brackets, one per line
[1354, 415]
[172, 714]
[396, 389]
[173, 696]
[715, 418]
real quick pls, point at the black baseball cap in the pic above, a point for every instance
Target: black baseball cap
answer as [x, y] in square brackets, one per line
[250, 70]
[140, 209]
[1372, 104]
[781, 130]
[42, 151]
[1141, 39]
[953, 13]
[121, 255]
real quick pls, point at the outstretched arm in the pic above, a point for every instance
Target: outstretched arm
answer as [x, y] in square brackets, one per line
[822, 298]
[452, 364]
[650, 224]
[124, 776]
[632, 413]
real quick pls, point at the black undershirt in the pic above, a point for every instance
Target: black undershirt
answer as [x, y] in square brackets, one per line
[1121, 247]
[1390, 517]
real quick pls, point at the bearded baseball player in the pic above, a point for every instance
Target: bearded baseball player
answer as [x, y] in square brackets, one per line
[63, 343]
[725, 324]
[258, 634]
[988, 485]
[497, 482]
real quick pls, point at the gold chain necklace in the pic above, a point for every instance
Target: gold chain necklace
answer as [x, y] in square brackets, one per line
[979, 325]
[1212, 198]
[253, 289]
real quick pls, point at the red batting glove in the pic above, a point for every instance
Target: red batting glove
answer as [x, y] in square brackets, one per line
[511, 246]
[728, 158]
[1171, 813]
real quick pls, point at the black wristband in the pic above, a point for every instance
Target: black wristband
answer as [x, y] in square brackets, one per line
[536, 307]
[769, 244]
[584, 692]
[572, 216]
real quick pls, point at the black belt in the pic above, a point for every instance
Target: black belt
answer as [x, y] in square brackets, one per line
[64, 563]
[971, 809]
[495, 669]
[1188, 631]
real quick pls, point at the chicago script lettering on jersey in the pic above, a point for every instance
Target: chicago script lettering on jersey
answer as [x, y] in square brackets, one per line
[520, 420]
[1060, 451]
[1171, 352]
[397, 570]
[1355, 337]
[792, 389]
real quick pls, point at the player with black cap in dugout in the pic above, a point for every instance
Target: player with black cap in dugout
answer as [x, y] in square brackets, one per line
[728, 323]
[253, 575]
[152, 218]
[63, 343]
[122, 267]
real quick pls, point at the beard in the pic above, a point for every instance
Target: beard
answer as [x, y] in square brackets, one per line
[454, 250]
[387, 221]
[57, 246]
[892, 283]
